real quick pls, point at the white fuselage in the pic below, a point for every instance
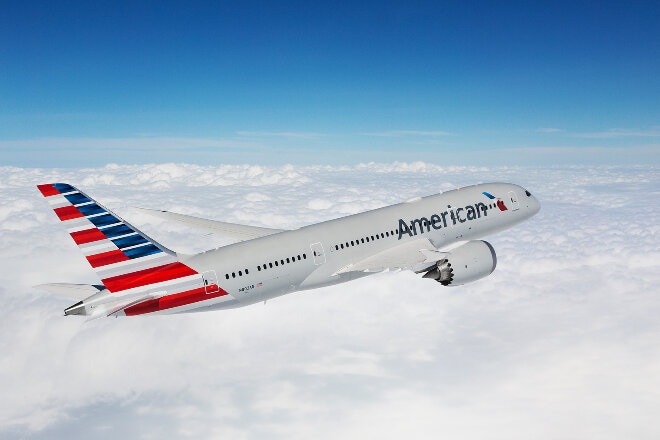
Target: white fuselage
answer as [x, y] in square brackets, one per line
[314, 256]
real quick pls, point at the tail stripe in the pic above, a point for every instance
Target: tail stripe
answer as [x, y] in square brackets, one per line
[48, 190]
[109, 244]
[129, 264]
[91, 209]
[129, 240]
[117, 231]
[171, 301]
[68, 212]
[142, 251]
[78, 224]
[148, 276]
[105, 258]
[87, 236]
[77, 199]
[64, 188]
[96, 247]
[134, 265]
[104, 220]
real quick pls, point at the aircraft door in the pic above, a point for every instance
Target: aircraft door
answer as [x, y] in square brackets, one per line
[210, 280]
[514, 200]
[317, 252]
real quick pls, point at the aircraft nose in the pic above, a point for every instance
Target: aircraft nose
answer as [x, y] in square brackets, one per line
[533, 204]
[536, 205]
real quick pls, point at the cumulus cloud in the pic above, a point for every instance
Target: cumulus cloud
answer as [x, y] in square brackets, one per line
[559, 342]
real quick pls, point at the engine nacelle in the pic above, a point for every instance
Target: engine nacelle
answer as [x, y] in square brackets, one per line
[470, 262]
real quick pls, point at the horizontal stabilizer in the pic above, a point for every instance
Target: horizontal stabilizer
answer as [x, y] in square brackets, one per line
[232, 230]
[76, 292]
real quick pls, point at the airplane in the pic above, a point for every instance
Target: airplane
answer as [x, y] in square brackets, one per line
[438, 236]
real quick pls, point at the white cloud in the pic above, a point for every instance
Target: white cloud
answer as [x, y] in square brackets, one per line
[559, 342]
[621, 132]
[566, 155]
[301, 135]
[404, 133]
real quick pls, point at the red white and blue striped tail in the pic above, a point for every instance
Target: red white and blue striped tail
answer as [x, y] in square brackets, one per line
[135, 269]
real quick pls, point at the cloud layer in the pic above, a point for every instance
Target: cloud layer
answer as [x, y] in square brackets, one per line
[559, 342]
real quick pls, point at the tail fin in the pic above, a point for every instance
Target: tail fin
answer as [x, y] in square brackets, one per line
[123, 257]
[139, 275]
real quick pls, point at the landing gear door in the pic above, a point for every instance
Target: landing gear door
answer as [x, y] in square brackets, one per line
[210, 280]
[317, 252]
[514, 200]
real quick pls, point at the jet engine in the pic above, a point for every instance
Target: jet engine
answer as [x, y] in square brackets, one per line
[469, 262]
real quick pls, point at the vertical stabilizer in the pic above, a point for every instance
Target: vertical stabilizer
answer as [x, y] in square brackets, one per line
[130, 264]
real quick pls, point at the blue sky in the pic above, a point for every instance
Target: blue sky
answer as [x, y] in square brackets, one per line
[273, 82]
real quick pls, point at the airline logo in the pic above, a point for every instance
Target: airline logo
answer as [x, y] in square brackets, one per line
[127, 261]
[500, 203]
[104, 239]
[449, 217]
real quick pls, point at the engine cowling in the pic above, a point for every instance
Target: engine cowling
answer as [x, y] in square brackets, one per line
[470, 262]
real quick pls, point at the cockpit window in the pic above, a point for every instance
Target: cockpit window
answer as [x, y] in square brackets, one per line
[528, 193]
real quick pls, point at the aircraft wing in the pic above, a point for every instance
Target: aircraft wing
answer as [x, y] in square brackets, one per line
[232, 230]
[418, 256]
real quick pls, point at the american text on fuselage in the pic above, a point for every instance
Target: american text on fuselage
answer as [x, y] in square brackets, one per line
[438, 221]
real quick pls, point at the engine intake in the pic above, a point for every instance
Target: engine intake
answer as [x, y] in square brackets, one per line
[470, 262]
